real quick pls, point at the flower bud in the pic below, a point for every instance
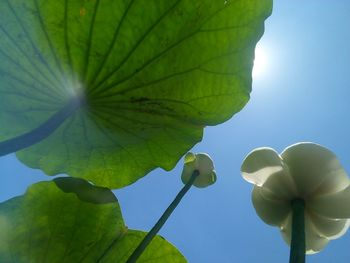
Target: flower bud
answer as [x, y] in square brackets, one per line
[204, 164]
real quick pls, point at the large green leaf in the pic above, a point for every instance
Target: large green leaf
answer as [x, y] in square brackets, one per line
[69, 220]
[144, 78]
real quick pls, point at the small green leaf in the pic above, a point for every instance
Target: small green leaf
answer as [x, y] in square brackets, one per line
[69, 220]
[149, 75]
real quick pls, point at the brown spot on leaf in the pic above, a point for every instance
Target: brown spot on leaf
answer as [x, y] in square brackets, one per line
[82, 11]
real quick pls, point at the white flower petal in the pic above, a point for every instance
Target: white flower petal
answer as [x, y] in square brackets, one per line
[271, 210]
[336, 181]
[264, 167]
[204, 164]
[205, 180]
[334, 206]
[310, 165]
[329, 228]
[314, 242]
[281, 185]
[260, 164]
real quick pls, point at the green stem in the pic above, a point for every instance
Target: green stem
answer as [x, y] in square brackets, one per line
[43, 131]
[297, 247]
[151, 234]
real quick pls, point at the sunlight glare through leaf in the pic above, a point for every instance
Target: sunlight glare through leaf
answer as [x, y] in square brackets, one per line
[260, 61]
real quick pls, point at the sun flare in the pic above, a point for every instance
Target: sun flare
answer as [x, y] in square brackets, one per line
[260, 61]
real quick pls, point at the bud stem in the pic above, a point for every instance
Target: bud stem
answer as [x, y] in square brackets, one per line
[151, 234]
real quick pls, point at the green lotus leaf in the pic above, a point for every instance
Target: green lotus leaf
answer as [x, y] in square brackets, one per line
[109, 90]
[70, 220]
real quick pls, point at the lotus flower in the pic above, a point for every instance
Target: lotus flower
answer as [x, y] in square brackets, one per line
[202, 163]
[304, 171]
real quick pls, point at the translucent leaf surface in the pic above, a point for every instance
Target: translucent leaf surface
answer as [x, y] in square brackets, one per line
[149, 75]
[69, 220]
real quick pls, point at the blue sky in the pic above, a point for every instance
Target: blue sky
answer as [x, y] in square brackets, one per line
[301, 95]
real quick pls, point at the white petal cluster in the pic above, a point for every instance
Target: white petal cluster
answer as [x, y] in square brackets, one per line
[204, 164]
[304, 170]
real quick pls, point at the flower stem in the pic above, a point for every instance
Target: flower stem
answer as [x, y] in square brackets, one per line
[151, 234]
[297, 247]
[43, 131]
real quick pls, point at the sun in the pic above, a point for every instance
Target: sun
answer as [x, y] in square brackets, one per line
[260, 61]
